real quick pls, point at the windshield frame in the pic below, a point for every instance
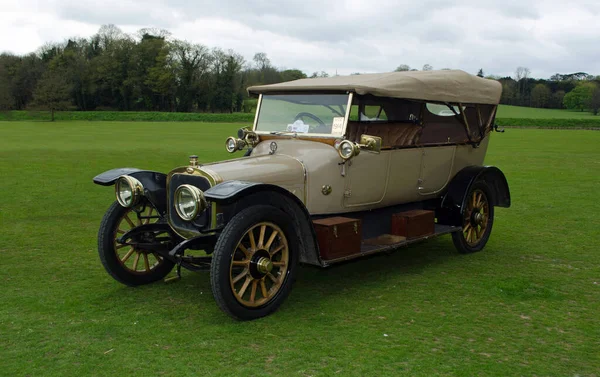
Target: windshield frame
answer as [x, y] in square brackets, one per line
[303, 135]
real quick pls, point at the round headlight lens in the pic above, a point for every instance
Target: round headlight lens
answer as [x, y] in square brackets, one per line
[189, 202]
[128, 190]
[346, 149]
[231, 144]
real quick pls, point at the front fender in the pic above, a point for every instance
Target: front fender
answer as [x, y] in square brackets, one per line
[155, 184]
[240, 194]
[454, 200]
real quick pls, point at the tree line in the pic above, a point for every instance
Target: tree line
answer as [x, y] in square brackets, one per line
[575, 91]
[151, 71]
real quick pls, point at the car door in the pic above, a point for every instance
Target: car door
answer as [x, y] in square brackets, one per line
[436, 167]
[366, 178]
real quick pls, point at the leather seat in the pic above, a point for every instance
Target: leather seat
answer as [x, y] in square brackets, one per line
[391, 134]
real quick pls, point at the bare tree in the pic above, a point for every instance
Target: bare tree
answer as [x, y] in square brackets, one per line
[427, 67]
[261, 61]
[53, 92]
[521, 76]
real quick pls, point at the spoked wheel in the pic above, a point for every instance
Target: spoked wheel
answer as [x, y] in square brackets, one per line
[129, 264]
[254, 262]
[478, 218]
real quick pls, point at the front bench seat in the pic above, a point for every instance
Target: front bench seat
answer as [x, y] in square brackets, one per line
[392, 135]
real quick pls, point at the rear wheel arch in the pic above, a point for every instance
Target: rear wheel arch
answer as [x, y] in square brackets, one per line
[454, 200]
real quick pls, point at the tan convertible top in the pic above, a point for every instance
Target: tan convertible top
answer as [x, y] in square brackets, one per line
[442, 86]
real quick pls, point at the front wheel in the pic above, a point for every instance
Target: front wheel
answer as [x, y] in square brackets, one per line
[128, 264]
[478, 218]
[254, 262]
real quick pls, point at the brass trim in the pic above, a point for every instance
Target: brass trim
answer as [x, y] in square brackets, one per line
[370, 143]
[198, 197]
[348, 108]
[355, 150]
[137, 190]
[257, 112]
[326, 190]
[212, 178]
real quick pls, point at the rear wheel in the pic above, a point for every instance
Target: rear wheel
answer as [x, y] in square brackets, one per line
[254, 262]
[125, 263]
[478, 218]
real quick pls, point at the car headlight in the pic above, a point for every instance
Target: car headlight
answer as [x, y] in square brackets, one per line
[232, 144]
[189, 202]
[128, 190]
[347, 149]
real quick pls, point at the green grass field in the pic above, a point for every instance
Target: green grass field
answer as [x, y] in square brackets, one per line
[527, 305]
[506, 111]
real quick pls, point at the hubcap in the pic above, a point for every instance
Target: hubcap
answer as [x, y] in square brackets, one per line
[264, 265]
[476, 217]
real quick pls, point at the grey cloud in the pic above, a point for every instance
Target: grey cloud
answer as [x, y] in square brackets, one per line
[355, 35]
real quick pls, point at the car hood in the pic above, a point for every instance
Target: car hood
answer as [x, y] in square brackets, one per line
[285, 171]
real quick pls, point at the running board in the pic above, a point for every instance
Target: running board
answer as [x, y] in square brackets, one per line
[388, 242]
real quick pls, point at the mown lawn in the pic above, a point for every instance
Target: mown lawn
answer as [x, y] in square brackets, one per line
[507, 111]
[527, 305]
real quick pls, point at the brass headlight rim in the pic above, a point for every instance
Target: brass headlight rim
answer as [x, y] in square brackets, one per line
[355, 149]
[137, 190]
[227, 144]
[198, 197]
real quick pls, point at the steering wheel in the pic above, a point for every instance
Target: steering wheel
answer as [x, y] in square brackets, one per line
[311, 116]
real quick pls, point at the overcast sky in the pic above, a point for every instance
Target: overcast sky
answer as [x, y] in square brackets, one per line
[546, 36]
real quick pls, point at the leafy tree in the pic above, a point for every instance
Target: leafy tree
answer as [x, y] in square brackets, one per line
[594, 103]
[6, 98]
[556, 101]
[53, 92]
[292, 74]
[319, 74]
[427, 67]
[540, 95]
[402, 68]
[580, 97]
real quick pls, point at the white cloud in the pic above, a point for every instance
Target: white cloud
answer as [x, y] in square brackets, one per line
[347, 36]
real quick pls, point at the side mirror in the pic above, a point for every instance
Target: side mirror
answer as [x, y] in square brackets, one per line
[370, 143]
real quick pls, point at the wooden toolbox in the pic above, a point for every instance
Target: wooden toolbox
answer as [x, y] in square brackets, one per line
[413, 224]
[338, 236]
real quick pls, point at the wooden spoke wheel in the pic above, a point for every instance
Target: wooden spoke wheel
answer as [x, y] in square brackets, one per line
[254, 262]
[126, 263]
[478, 217]
[259, 264]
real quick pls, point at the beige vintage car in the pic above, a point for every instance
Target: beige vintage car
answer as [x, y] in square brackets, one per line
[334, 169]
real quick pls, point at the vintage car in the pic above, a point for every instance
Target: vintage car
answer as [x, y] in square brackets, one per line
[334, 169]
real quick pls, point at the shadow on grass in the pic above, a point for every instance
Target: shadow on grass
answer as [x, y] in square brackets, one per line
[313, 284]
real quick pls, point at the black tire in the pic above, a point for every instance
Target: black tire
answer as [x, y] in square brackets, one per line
[121, 270]
[470, 242]
[227, 250]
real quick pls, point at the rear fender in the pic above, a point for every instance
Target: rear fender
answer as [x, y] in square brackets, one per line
[455, 199]
[234, 196]
[155, 184]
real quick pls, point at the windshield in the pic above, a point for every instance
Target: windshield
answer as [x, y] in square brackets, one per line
[303, 113]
